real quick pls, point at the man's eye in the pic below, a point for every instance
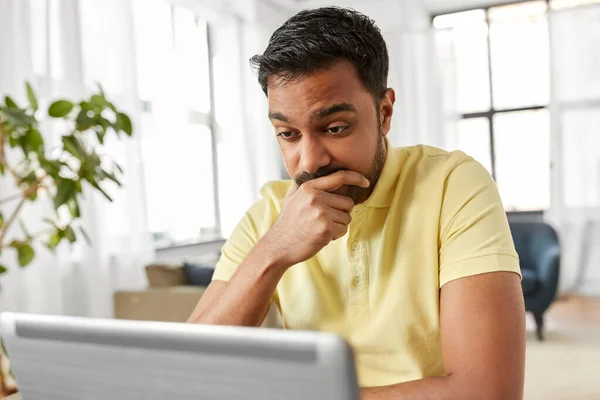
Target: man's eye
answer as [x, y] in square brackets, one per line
[287, 135]
[336, 130]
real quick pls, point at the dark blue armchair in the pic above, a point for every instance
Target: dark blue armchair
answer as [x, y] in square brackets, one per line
[539, 252]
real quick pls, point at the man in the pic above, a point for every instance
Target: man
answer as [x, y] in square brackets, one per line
[405, 252]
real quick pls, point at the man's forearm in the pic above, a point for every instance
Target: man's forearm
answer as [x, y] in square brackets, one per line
[246, 297]
[438, 388]
[423, 389]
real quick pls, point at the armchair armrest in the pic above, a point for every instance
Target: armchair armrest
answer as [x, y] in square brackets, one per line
[548, 268]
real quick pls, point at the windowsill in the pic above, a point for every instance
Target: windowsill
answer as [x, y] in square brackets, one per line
[191, 243]
[199, 249]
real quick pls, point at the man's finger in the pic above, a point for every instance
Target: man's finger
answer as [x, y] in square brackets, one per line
[338, 230]
[339, 217]
[334, 181]
[339, 202]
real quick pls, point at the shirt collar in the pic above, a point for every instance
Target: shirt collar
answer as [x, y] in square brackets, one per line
[385, 188]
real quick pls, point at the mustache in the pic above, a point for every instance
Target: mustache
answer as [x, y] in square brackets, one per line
[304, 176]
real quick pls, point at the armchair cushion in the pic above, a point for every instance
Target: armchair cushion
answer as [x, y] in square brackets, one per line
[198, 274]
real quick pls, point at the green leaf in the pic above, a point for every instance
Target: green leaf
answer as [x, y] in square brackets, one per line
[31, 96]
[85, 235]
[64, 192]
[1, 220]
[70, 234]
[54, 240]
[17, 117]
[60, 108]
[83, 122]
[74, 209]
[78, 187]
[74, 146]
[118, 167]
[100, 135]
[10, 103]
[25, 253]
[1, 169]
[52, 167]
[33, 141]
[13, 141]
[30, 178]
[124, 123]
[97, 102]
[100, 89]
[3, 269]
[85, 106]
[98, 188]
[110, 176]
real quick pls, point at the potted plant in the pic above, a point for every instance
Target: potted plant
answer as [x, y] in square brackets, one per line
[58, 175]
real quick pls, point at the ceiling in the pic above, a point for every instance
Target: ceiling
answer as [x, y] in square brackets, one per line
[442, 6]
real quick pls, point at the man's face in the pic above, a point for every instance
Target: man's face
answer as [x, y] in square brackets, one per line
[328, 121]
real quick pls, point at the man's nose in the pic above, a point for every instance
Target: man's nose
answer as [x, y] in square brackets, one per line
[313, 155]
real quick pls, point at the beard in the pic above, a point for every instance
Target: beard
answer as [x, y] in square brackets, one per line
[356, 193]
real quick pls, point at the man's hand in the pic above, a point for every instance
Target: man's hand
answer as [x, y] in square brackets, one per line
[312, 216]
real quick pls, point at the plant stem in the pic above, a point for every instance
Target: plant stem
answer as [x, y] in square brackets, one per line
[11, 198]
[10, 221]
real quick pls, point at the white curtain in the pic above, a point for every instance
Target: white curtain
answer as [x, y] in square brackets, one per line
[575, 116]
[418, 113]
[63, 47]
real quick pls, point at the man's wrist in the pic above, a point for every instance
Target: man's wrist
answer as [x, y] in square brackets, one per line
[273, 258]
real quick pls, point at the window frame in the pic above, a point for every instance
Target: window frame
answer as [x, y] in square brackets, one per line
[207, 119]
[492, 111]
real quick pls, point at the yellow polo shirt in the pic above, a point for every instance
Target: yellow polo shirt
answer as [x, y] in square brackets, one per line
[434, 216]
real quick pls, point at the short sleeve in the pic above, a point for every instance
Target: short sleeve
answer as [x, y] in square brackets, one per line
[243, 238]
[475, 237]
[252, 227]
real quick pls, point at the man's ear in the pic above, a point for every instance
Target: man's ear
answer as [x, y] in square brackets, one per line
[386, 109]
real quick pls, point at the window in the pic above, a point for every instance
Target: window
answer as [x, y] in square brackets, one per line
[502, 74]
[174, 84]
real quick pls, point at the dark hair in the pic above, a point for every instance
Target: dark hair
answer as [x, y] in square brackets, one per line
[315, 39]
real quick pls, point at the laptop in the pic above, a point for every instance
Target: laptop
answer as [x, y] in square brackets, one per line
[75, 358]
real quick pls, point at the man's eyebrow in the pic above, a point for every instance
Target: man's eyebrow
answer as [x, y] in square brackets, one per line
[326, 112]
[278, 116]
[322, 113]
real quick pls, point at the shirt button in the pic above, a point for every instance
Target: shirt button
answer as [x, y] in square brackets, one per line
[356, 282]
[355, 246]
